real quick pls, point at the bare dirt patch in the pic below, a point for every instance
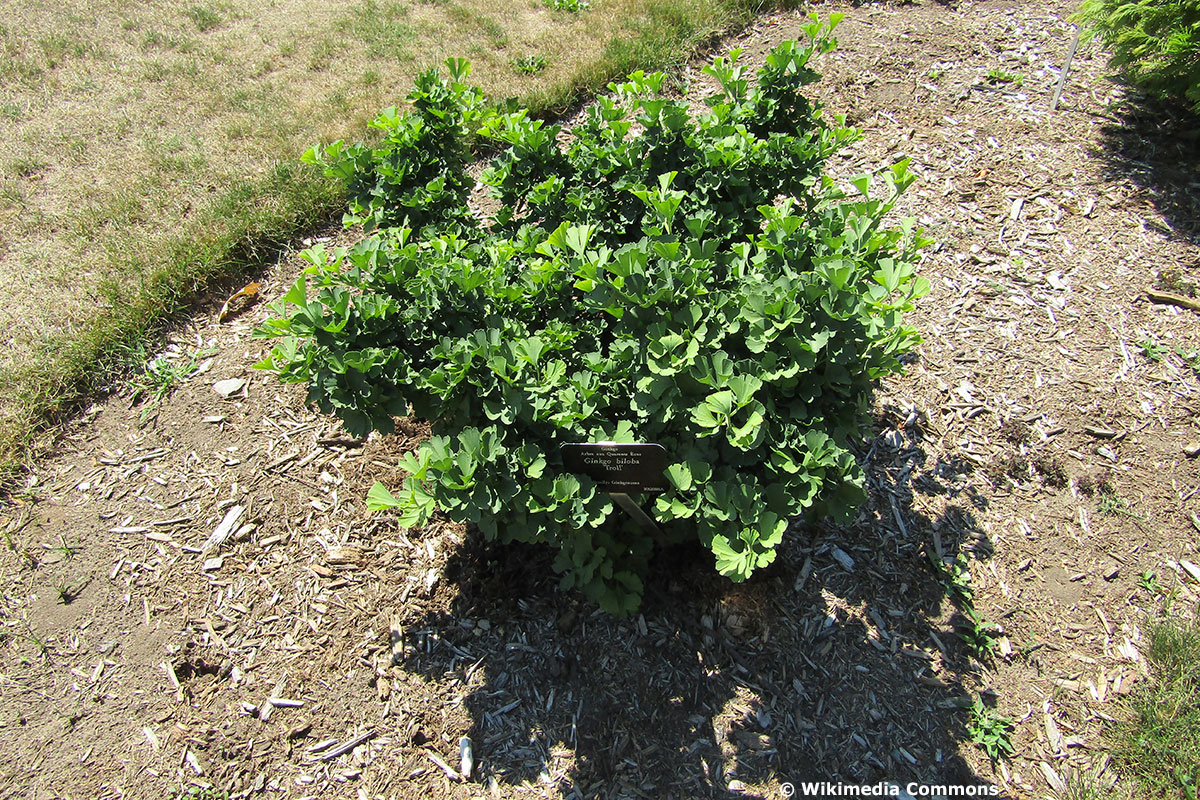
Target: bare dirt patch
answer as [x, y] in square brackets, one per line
[319, 651]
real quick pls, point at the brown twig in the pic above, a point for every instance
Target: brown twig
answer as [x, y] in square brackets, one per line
[1173, 299]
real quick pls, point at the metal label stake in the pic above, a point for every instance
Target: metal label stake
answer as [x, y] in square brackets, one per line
[622, 468]
[638, 514]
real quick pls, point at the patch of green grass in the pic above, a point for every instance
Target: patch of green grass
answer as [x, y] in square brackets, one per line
[658, 35]
[493, 31]
[58, 47]
[205, 18]
[381, 27]
[1089, 787]
[1160, 745]
[320, 58]
[244, 230]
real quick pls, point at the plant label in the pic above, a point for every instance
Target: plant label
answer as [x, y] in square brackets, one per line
[623, 468]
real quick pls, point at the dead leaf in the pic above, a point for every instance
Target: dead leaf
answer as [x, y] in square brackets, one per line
[250, 290]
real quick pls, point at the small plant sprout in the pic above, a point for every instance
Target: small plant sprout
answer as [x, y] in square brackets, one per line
[1112, 504]
[1149, 583]
[163, 375]
[1191, 357]
[199, 793]
[573, 6]
[43, 645]
[995, 75]
[62, 547]
[990, 731]
[67, 593]
[1153, 350]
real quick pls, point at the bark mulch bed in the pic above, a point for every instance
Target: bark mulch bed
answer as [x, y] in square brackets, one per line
[195, 595]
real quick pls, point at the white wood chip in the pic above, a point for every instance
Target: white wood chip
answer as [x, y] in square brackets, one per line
[228, 387]
[1053, 735]
[1053, 778]
[842, 558]
[466, 758]
[222, 531]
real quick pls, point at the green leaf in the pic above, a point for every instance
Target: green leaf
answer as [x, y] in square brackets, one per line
[862, 183]
[380, 499]
[680, 476]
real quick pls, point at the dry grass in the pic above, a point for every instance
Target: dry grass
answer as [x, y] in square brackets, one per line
[130, 133]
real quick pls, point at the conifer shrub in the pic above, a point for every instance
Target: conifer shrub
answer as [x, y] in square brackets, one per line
[1155, 43]
[650, 276]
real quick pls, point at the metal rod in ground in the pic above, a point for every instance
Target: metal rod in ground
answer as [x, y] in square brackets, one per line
[1062, 79]
[639, 516]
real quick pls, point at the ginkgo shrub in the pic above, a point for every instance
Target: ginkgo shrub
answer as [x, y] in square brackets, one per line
[650, 276]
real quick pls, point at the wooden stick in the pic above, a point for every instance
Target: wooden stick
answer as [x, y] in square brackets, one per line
[342, 749]
[443, 766]
[1173, 299]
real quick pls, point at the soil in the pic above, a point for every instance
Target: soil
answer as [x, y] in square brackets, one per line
[1039, 433]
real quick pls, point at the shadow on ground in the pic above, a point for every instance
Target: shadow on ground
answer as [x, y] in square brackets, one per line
[1156, 145]
[814, 671]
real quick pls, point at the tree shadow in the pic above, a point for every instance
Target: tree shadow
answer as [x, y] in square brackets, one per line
[835, 664]
[1156, 145]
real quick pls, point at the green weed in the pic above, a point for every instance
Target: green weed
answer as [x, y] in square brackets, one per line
[1112, 504]
[1000, 76]
[69, 593]
[1153, 350]
[568, 5]
[955, 577]
[990, 731]
[42, 644]
[1190, 357]
[1149, 583]
[199, 793]
[979, 636]
[163, 375]
[65, 549]
[529, 65]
